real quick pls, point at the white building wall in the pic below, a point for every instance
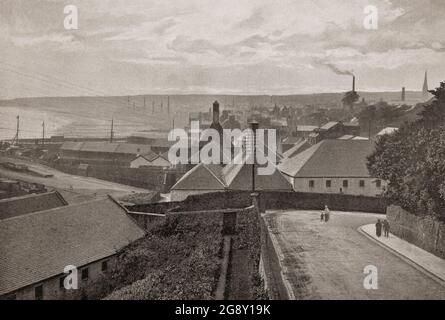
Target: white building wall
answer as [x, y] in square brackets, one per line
[370, 188]
[51, 286]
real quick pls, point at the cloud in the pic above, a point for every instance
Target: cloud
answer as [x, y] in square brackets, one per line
[236, 44]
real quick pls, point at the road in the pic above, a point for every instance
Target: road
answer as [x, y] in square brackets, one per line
[73, 188]
[327, 260]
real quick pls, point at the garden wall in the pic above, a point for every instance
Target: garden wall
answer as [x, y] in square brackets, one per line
[269, 200]
[422, 231]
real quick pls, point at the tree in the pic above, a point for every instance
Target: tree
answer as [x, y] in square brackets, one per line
[412, 161]
[350, 98]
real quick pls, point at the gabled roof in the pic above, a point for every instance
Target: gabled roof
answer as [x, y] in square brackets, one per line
[17, 206]
[37, 246]
[330, 158]
[201, 177]
[233, 176]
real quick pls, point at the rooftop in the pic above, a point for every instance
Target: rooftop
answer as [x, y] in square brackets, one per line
[17, 206]
[330, 158]
[39, 245]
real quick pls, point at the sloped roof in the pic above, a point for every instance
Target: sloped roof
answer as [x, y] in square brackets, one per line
[39, 245]
[233, 176]
[306, 128]
[130, 148]
[329, 125]
[71, 146]
[17, 206]
[201, 177]
[296, 149]
[106, 147]
[387, 130]
[330, 158]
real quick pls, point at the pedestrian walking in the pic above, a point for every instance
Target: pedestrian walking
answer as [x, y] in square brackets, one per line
[322, 217]
[378, 228]
[386, 228]
[326, 213]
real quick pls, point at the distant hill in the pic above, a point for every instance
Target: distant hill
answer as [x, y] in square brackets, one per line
[197, 102]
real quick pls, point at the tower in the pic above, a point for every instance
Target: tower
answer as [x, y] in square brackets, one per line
[403, 94]
[425, 92]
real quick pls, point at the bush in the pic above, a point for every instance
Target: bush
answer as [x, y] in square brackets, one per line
[177, 259]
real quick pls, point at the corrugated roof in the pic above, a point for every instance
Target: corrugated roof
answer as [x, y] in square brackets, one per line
[17, 206]
[39, 245]
[330, 158]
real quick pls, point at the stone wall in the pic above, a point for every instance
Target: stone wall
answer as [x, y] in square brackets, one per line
[268, 200]
[422, 231]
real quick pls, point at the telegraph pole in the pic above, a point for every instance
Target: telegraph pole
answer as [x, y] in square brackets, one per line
[168, 104]
[254, 126]
[43, 133]
[16, 138]
[112, 131]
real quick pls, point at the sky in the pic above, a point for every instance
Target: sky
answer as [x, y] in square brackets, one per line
[126, 47]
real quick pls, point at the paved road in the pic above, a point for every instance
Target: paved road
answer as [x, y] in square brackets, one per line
[327, 260]
[73, 188]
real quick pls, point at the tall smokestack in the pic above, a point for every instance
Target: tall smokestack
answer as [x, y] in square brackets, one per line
[403, 94]
[215, 112]
[353, 83]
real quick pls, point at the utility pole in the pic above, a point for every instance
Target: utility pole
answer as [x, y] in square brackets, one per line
[168, 104]
[112, 131]
[369, 129]
[16, 138]
[43, 133]
[254, 126]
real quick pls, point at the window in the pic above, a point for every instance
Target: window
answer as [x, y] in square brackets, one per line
[38, 292]
[328, 183]
[311, 183]
[362, 183]
[85, 274]
[345, 183]
[104, 265]
[378, 183]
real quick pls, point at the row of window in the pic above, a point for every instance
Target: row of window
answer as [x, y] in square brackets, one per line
[361, 183]
[84, 275]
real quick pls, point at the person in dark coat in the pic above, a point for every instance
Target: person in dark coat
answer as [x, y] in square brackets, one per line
[378, 228]
[322, 217]
[386, 228]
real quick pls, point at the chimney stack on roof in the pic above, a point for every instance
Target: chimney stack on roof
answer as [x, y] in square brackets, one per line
[215, 112]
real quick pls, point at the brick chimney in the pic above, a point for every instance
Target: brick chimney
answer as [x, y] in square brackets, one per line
[215, 112]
